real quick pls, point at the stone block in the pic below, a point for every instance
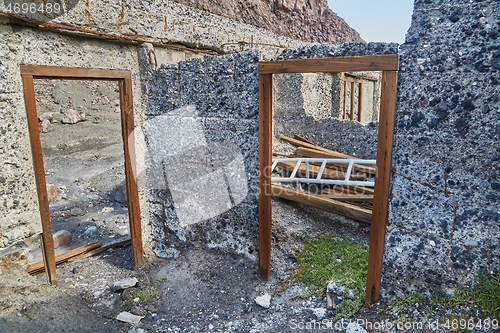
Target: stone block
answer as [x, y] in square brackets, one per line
[62, 238]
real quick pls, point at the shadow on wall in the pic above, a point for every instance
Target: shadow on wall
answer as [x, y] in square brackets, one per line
[204, 181]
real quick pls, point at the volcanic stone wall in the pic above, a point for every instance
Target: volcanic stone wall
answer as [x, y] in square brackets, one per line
[202, 139]
[444, 206]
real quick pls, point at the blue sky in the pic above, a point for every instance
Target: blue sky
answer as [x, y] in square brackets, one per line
[376, 20]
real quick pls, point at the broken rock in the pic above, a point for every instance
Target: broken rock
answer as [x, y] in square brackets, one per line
[62, 238]
[43, 126]
[320, 313]
[71, 116]
[119, 193]
[355, 328]
[264, 301]
[124, 284]
[128, 317]
[52, 192]
[46, 116]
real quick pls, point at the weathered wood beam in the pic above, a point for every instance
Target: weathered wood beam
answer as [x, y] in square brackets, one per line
[314, 171]
[331, 65]
[333, 206]
[39, 266]
[101, 249]
[349, 197]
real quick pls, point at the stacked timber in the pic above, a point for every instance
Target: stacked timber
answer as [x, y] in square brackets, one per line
[354, 202]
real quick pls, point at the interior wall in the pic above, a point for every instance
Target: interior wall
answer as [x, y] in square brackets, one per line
[444, 207]
[19, 216]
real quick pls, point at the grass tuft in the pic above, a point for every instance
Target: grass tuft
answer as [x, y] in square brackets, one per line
[483, 292]
[329, 257]
[141, 296]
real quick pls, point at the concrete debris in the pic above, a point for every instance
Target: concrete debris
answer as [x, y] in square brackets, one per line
[471, 243]
[355, 328]
[107, 210]
[172, 253]
[128, 317]
[77, 211]
[91, 230]
[43, 126]
[46, 116]
[264, 301]
[320, 313]
[135, 329]
[71, 116]
[124, 284]
[334, 288]
[119, 193]
[62, 238]
[336, 293]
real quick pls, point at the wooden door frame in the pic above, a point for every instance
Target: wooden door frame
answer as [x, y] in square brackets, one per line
[123, 77]
[388, 65]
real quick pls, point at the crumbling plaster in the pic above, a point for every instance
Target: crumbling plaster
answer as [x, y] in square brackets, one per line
[169, 23]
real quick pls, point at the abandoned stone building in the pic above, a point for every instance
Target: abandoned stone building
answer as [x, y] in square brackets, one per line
[193, 153]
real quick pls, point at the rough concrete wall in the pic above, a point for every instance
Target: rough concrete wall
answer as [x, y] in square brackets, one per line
[19, 217]
[310, 20]
[202, 136]
[444, 207]
[321, 94]
[168, 22]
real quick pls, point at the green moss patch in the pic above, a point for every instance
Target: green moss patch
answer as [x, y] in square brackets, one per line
[483, 292]
[330, 257]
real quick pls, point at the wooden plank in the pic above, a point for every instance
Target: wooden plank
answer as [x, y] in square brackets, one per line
[345, 101]
[382, 180]
[352, 100]
[314, 153]
[388, 62]
[349, 190]
[333, 206]
[68, 73]
[300, 143]
[127, 119]
[39, 267]
[265, 159]
[298, 137]
[314, 171]
[360, 101]
[41, 188]
[101, 249]
[348, 197]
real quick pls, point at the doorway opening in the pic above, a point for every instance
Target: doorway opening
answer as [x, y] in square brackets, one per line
[388, 66]
[80, 160]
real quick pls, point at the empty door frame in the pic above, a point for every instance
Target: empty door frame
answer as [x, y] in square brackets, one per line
[123, 77]
[388, 65]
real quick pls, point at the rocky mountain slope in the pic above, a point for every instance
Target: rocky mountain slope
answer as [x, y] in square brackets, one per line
[308, 20]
